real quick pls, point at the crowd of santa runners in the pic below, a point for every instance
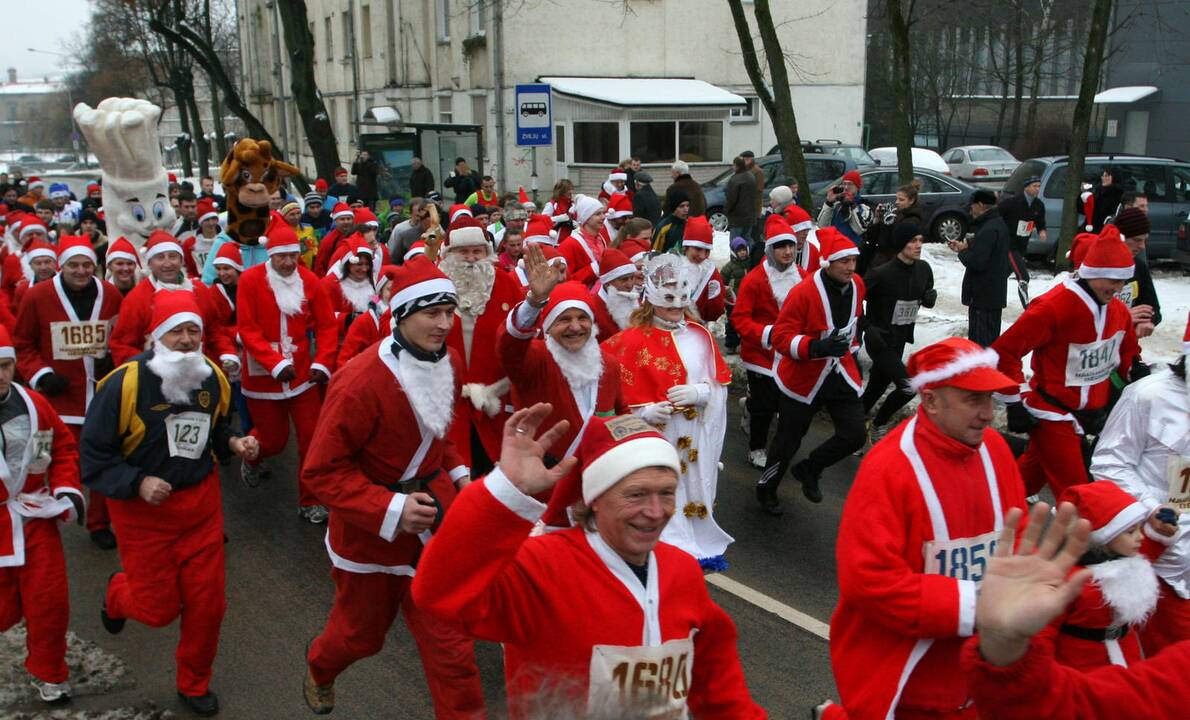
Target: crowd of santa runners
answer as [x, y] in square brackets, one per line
[513, 419]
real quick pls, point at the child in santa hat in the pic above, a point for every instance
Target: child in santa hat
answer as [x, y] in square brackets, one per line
[1099, 628]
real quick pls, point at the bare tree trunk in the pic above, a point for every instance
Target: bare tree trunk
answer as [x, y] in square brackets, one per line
[320, 136]
[200, 140]
[217, 121]
[1003, 92]
[1018, 93]
[186, 140]
[899, 27]
[778, 103]
[1080, 128]
[1039, 55]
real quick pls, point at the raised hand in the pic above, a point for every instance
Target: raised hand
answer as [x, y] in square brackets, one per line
[521, 451]
[542, 278]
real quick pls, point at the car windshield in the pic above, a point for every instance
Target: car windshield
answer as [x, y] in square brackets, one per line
[719, 179]
[1015, 184]
[990, 155]
[858, 154]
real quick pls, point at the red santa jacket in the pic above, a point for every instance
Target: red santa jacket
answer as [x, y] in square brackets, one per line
[194, 258]
[1076, 343]
[483, 570]
[756, 309]
[650, 363]
[273, 341]
[806, 316]
[12, 271]
[582, 255]
[364, 331]
[327, 247]
[483, 366]
[919, 526]
[51, 467]
[809, 255]
[356, 460]
[709, 298]
[604, 321]
[225, 306]
[51, 337]
[136, 315]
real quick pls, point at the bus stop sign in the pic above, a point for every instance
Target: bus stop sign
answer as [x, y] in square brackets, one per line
[534, 115]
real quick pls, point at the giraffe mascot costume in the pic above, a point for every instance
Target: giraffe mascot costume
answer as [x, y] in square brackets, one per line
[250, 174]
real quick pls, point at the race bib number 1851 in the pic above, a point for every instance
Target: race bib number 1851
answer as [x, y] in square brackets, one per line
[961, 559]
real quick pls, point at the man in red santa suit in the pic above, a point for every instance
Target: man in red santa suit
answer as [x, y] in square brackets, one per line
[15, 265]
[619, 210]
[552, 258]
[150, 443]
[130, 336]
[808, 250]
[284, 317]
[565, 367]
[122, 265]
[39, 485]
[229, 265]
[583, 248]
[815, 337]
[707, 299]
[672, 376]
[61, 337]
[618, 295]
[41, 263]
[197, 247]
[387, 494]
[1078, 335]
[615, 186]
[539, 229]
[631, 631]
[344, 219]
[919, 525]
[762, 293]
[486, 294]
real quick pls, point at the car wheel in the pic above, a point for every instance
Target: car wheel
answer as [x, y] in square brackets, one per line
[948, 227]
[718, 219]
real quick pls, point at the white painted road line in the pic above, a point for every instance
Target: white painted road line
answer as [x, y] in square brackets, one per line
[764, 602]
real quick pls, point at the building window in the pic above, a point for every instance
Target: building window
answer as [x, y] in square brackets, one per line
[700, 141]
[365, 28]
[328, 26]
[314, 39]
[746, 113]
[560, 143]
[349, 131]
[479, 14]
[653, 142]
[443, 13]
[445, 113]
[390, 40]
[479, 109]
[348, 36]
[597, 142]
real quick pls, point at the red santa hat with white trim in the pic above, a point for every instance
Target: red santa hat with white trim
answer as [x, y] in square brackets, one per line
[619, 206]
[566, 296]
[467, 233]
[522, 197]
[75, 246]
[8, 351]
[698, 234]
[342, 209]
[364, 216]
[1110, 510]
[35, 182]
[1107, 258]
[357, 247]
[618, 173]
[958, 362]
[40, 248]
[1079, 247]
[122, 249]
[537, 230]
[230, 256]
[160, 242]
[172, 308]
[418, 248]
[614, 265]
[279, 237]
[614, 448]
[552, 256]
[31, 224]
[635, 250]
[777, 231]
[834, 246]
[457, 211]
[417, 285]
[798, 218]
[207, 210]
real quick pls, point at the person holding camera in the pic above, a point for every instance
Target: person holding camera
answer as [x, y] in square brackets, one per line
[463, 180]
[366, 171]
[845, 211]
[985, 256]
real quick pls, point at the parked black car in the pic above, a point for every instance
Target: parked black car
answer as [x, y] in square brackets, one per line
[943, 200]
[835, 147]
[820, 170]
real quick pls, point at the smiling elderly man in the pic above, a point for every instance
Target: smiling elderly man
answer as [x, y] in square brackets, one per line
[650, 643]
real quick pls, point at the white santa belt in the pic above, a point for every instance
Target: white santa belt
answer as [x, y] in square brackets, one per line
[39, 504]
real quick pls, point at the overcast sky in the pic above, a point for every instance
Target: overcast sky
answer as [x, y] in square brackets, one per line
[42, 24]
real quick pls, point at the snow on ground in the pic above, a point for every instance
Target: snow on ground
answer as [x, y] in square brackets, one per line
[93, 671]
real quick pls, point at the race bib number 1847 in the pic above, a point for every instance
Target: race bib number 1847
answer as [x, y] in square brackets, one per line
[1092, 363]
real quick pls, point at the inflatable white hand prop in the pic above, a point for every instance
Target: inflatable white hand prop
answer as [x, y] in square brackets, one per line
[123, 134]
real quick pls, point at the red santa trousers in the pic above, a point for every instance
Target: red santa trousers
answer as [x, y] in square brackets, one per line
[1170, 622]
[173, 565]
[836, 712]
[270, 419]
[97, 515]
[37, 592]
[365, 606]
[1054, 456]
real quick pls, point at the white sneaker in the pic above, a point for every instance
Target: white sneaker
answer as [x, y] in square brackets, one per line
[745, 417]
[758, 459]
[315, 514]
[52, 692]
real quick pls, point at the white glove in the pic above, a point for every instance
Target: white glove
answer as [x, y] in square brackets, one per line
[713, 289]
[452, 173]
[695, 395]
[655, 414]
[560, 218]
[487, 398]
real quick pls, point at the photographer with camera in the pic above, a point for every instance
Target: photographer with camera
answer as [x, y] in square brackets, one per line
[879, 245]
[845, 211]
[366, 170]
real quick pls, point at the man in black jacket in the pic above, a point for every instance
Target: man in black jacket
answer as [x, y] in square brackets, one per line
[985, 283]
[1139, 293]
[684, 183]
[1023, 214]
[645, 203]
[421, 179]
[366, 171]
[741, 201]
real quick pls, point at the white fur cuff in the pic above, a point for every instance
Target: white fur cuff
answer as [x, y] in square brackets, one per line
[392, 517]
[526, 507]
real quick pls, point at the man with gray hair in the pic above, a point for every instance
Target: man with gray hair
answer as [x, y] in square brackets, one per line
[408, 231]
[682, 181]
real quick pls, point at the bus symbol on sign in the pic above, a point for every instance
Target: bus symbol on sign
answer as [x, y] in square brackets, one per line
[534, 108]
[534, 116]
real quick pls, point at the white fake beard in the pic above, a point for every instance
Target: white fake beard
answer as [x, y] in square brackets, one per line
[186, 284]
[1129, 586]
[181, 373]
[620, 305]
[289, 292]
[358, 293]
[580, 367]
[781, 281]
[473, 281]
[427, 386]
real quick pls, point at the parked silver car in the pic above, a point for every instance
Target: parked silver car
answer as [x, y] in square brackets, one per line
[980, 162]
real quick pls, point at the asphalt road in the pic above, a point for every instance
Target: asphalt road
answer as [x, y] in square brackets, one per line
[279, 592]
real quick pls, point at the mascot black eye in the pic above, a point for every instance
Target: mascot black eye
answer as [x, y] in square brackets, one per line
[245, 176]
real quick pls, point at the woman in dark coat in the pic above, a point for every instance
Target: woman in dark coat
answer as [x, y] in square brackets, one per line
[881, 246]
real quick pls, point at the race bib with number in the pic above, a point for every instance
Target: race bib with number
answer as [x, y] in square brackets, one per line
[74, 340]
[1179, 481]
[641, 682]
[1024, 227]
[1092, 363]
[187, 434]
[905, 312]
[43, 446]
[1127, 294]
[962, 558]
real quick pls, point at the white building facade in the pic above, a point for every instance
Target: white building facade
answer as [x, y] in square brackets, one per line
[448, 69]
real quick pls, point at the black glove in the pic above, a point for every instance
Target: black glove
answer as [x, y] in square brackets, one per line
[834, 345]
[1019, 418]
[1138, 370]
[876, 339]
[79, 510]
[52, 384]
[929, 298]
